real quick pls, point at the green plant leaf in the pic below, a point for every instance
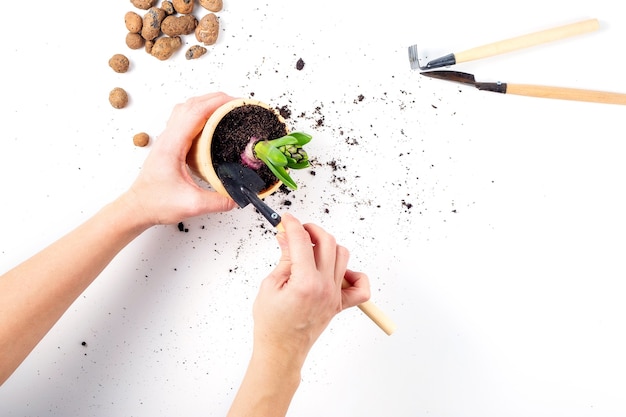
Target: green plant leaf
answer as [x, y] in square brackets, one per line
[282, 175]
[301, 137]
[268, 153]
[299, 165]
[285, 140]
[276, 157]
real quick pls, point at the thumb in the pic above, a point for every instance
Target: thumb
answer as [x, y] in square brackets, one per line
[283, 244]
[214, 202]
[282, 271]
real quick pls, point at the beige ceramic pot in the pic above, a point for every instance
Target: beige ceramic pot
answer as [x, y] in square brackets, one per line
[199, 157]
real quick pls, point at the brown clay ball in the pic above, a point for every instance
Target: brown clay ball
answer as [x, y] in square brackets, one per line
[133, 22]
[179, 25]
[212, 5]
[134, 41]
[208, 29]
[143, 4]
[165, 47]
[141, 139]
[168, 7]
[151, 27]
[118, 98]
[119, 63]
[195, 51]
[149, 45]
[183, 6]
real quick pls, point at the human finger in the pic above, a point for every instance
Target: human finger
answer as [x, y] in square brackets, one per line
[283, 268]
[299, 242]
[324, 250]
[341, 263]
[213, 202]
[356, 290]
[188, 118]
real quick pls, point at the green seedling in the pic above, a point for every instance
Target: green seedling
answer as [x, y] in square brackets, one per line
[279, 155]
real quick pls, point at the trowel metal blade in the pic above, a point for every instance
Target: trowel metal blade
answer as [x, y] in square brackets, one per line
[234, 177]
[243, 185]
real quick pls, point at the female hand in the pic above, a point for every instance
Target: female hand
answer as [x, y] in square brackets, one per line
[164, 191]
[304, 292]
[294, 305]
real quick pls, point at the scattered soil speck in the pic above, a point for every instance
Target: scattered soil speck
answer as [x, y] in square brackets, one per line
[352, 141]
[300, 64]
[284, 112]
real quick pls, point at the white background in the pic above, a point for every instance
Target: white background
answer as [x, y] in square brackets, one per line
[492, 226]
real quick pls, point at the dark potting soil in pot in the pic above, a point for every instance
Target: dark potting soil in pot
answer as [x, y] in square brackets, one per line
[234, 131]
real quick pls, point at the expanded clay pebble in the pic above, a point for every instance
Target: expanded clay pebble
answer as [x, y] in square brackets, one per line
[179, 25]
[195, 51]
[143, 4]
[165, 47]
[118, 98]
[133, 22]
[212, 5]
[152, 23]
[149, 45]
[168, 7]
[141, 139]
[119, 63]
[183, 6]
[135, 41]
[208, 29]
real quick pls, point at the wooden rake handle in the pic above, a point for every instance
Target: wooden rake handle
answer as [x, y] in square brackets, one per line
[527, 40]
[370, 309]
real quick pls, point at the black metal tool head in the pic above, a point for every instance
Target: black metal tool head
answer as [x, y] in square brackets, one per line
[465, 78]
[243, 185]
[455, 76]
[235, 178]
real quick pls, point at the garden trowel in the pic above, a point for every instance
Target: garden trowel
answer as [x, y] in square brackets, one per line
[243, 184]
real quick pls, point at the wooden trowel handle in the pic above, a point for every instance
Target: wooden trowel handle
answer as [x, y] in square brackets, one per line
[370, 309]
[383, 321]
[527, 40]
[563, 93]
[378, 316]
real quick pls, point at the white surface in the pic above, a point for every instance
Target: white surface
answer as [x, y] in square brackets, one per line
[492, 226]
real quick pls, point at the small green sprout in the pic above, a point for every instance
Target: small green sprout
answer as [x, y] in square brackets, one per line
[278, 154]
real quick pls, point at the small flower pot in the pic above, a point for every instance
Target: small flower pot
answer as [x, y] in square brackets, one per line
[225, 136]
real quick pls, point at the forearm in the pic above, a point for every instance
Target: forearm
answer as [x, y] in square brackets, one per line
[268, 386]
[36, 293]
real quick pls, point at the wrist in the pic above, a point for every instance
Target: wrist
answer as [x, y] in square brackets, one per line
[131, 213]
[286, 352]
[278, 364]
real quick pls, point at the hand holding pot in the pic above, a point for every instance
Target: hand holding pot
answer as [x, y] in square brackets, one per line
[164, 191]
[295, 304]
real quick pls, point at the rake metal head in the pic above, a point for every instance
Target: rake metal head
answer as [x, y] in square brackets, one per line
[443, 61]
[414, 58]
